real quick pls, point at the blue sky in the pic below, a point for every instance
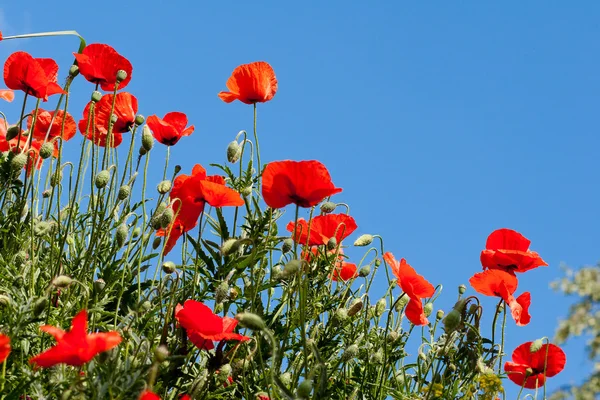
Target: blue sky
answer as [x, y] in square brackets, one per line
[442, 122]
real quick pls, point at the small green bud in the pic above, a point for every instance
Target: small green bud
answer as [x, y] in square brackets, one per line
[147, 138]
[233, 293]
[377, 262]
[536, 345]
[304, 389]
[251, 321]
[377, 357]
[161, 353]
[102, 179]
[166, 217]
[286, 378]
[139, 119]
[145, 306]
[364, 271]
[55, 178]
[41, 228]
[350, 352]
[402, 301]
[177, 169]
[327, 207]
[143, 151]
[124, 192]
[121, 235]
[218, 308]
[364, 240]
[473, 309]
[99, 285]
[18, 162]
[355, 307]
[169, 267]
[73, 71]
[4, 300]
[234, 152]
[341, 314]
[224, 372]
[380, 307]
[392, 336]
[247, 191]
[221, 292]
[291, 268]
[62, 281]
[156, 242]
[452, 321]
[12, 132]
[20, 258]
[332, 243]
[136, 232]
[276, 272]
[287, 245]
[428, 309]
[121, 76]
[46, 150]
[96, 96]
[164, 187]
[39, 306]
[439, 315]
[230, 246]
[462, 289]
[46, 193]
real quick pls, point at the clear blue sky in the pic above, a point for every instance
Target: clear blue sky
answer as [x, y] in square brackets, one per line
[441, 122]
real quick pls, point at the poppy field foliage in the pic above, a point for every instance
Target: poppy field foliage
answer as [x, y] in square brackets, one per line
[246, 280]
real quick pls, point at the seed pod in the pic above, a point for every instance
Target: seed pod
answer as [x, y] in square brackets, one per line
[287, 245]
[251, 321]
[46, 150]
[332, 243]
[164, 186]
[365, 271]
[428, 309]
[327, 207]
[62, 281]
[462, 289]
[156, 242]
[121, 76]
[96, 96]
[73, 71]
[101, 179]
[439, 315]
[124, 192]
[139, 119]
[99, 285]
[364, 240]
[169, 267]
[304, 389]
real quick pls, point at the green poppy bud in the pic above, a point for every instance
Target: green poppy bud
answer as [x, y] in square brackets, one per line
[230, 246]
[221, 292]
[156, 242]
[251, 321]
[291, 268]
[247, 191]
[55, 179]
[147, 138]
[46, 150]
[139, 119]
[364, 240]
[12, 132]
[462, 289]
[380, 307]
[166, 217]
[341, 314]
[536, 345]
[304, 389]
[428, 309]
[287, 245]
[73, 71]
[377, 357]
[168, 267]
[136, 232]
[327, 207]
[121, 235]
[161, 353]
[439, 315]
[102, 179]
[164, 187]
[364, 271]
[286, 378]
[392, 336]
[124, 192]
[350, 353]
[332, 243]
[355, 307]
[401, 302]
[62, 281]
[377, 262]
[39, 306]
[99, 285]
[234, 152]
[18, 162]
[452, 321]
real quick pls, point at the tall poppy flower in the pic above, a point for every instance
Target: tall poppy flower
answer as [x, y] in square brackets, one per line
[530, 368]
[7, 95]
[126, 106]
[34, 76]
[211, 190]
[304, 183]
[322, 228]
[99, 64]
[205, 327]
[344, 271]
[169, 129]
[508, 250]
[495, 282]
[75, 347]
[414, 285]
[251, 83]
[4, 347]
[44, 125]
[148, 395]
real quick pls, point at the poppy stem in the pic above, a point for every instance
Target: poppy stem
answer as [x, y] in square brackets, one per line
[259, 171]
[167, 162]
[502, 340]
[55, 33]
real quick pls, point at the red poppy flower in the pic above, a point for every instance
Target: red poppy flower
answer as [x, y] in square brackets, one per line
[508, 250]
[251, 83]
[414, 285]
[322, 228]
[75, 347]
[35, 76]
[44, 124]
[203, 326]
[4, 347]
[344, 271]
[170, 129]
[185, 397]
[126, 106]
[7, 95]
[495, 282]
[149, 395]
[527, 368]
[304, 183]
[99, 64]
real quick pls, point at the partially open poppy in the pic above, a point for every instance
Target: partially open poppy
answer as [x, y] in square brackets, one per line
[530, 369]
[251, 83]
[414, 285]
[169, 129]
[322, 228]
[4, 347]
[45, 125]
[304, 183]
[126, 106]
[99, 64]
[508, 250]
[7, 95]
[35, 76]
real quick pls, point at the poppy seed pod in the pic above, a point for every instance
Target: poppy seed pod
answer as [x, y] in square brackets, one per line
[96, 96]
[355, 307]
[161, 353]
[439, 315]
[18, 162]
[462, 289]
[251, 321]
[451, 321]
[124, 192]
[377, 262]
[327, 207]
[221, 292]
[287, 245]
[168, 267]
[121, 75]
[101, 179]
[55, 179]
[99, 285]
[73, 71]
[164, 187]
[121, 235]
[139, 119]
[291, 268]
[39, 306]
[364, 271]
[234, 152]
[304, 389]
[156, 242]
[380, 307]
[363, 240]
[147, 138]
[350, 352]
[428, 309]
[62, 281]
[12, 132]
[46, 150]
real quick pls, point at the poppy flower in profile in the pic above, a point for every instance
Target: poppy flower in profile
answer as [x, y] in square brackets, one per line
[99, 64]
[530, 368]
[4, 347]
[148, 395]
[414, 285]
[75, 347]
[495, 282]
[35, 76]
[7, 95]
[169, 129]
[204, 327]
[508, 250]
[322, 228]
[251, 83]
[304, 183]
[126, 107]
[45, 125]
[344, 271]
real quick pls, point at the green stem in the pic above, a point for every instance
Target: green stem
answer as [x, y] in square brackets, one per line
[259, 171]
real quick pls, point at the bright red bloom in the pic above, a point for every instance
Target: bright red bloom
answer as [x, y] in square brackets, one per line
[148, 395]
[35, 76]
[7, 95]
[304, 183]
[185, 397]
[499, 283]
[323, 228]
[99, 64]
[527, 368]
[44, 123]
[508, 250]
[126, 106]
[251, 83]
[414, 285]
[203, 326]
[344, 271]
[4, 347]
[75, 347]
[170, 129]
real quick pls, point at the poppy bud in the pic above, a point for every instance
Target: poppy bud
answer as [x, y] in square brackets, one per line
[164, 187]
[287, 245]
[224, 372]
[536, 345]
[247, 191]
[451, 321]
[291, 268]
[39, 306]
[168, 267]
[99, 285]
[377, 262]
[145, 305]
[377, 357]
[102, 179]
[20, 258]
[462, 289]
[251, 321]
[161, 353]
[73, 71]
[19, 282]
[428, 309]
[96, 96]
[147, 139]
[399, 378]
[4, 300]
[327, 207]
[364, 240]
[121, 235]
[380, 307]
[439, 315]
[41, 228]
[355, 307]
[136, 232]
[401, 302]
[62, 281]
[143, 151]
[304, 389]
[286, 378]
[341, 314]
[230, 246]
[473, 309]
[156, 242]
[233, 294]
[350, 352]
[139, 119]
[113, 118]
[392, 336]
[218, 308]
[234, 152]
[46, 193]
[177, 169]
[276, 273]
[124, 192]
[18, 162]
[166, 217]
[221, 292]
[364, 271]
[46, 150]
[121, 76]
[55, 179]
[332, 243]
[12, 132]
